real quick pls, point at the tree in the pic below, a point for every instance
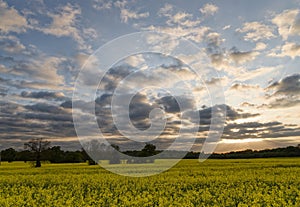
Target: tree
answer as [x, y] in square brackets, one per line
[54, 154]
[9, 155]
[37, 146]
[149, 150]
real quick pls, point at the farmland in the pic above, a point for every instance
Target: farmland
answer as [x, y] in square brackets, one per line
[236, 182]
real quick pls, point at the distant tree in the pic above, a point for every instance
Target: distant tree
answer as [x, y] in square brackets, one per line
[25, 156]
[149, 150]
[37, 146]
[9, 155]
[54, 154]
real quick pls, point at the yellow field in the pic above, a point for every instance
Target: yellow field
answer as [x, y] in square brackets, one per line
[254, 182]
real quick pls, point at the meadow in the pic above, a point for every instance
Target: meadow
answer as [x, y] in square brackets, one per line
[236, 182]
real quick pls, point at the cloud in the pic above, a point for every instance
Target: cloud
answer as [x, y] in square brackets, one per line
[226, 27]
[214, 41]
[196, 34]
[43, 95]
[218, 81]
[282, 103]
[127, 14]
[3, 89]
[42, 69]
[21, 123]
[241, 86]
[209, 9]
[259, 130]
[182, 18]
[243, 57]
[102, 4]
[175, 104]
[260, 46]
[135, 60]
[166, 10]
[289, 86]
[256, 31]
[11, 20]
[284, 93]
[11, 44]
[223, 110]
[65, 23]
[287, 23]
[45, 108]
[174, 18]
[289, 49]
[258, 73]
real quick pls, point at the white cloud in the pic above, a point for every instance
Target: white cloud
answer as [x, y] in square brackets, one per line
[259, 74]
[260, 46]
[287, 23]
[183, 19]
[209, 9]
[65, 23]
[256, 31]
[135, 60]
[102, 4]
[226, 27]
[45, 69]
[11, 20]
[180, 16]
[289, 49]
[126, 14]
[196, 34]
[165, 11]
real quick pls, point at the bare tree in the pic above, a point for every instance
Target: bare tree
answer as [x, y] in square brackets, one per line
[37, 146]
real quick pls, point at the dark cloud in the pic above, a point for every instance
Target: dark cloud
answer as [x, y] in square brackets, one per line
[45, 108]
[283, 103]
[231, 113]
[41, 119]
[242, 57]
[216, 53]
[259, 130]
[3, 89]
[242, 86]
[288, 86]
[217, 58]
[284, 93]
[30, 121]
[175, 104]
[43, 95]
[247, 104]
[114, 76]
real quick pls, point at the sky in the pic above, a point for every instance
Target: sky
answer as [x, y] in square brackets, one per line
[200, 58]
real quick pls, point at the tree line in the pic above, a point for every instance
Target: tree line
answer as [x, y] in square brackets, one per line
[38, 150]
[291, 151]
